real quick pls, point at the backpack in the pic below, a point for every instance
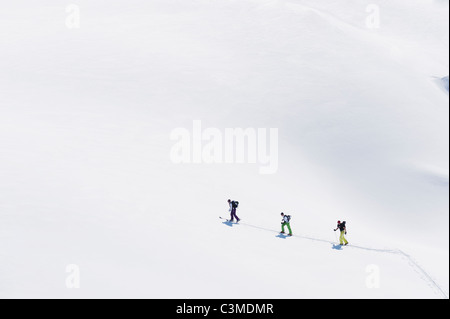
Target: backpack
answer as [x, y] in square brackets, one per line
[234, 204]
[288, 218]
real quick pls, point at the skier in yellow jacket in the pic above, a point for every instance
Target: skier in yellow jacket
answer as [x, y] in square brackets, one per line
[343, 229]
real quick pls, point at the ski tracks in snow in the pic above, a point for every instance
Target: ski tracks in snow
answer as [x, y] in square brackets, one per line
[411, 262]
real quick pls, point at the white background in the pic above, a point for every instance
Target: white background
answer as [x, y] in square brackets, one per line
[86, 176]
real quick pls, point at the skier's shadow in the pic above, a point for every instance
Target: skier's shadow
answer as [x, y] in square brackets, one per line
[228, 223]
[282, 236]
[336, 247]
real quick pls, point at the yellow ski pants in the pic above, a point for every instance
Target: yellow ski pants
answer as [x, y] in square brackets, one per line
[342, 239]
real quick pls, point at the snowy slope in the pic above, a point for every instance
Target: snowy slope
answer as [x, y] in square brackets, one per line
[86, 176]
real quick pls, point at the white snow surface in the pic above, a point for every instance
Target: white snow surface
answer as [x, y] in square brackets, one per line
[86, 177]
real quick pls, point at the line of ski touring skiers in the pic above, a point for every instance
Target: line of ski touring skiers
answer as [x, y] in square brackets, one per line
[286, 222]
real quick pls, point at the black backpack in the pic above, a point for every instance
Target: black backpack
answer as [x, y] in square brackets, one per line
[234, 204]
[288, 217]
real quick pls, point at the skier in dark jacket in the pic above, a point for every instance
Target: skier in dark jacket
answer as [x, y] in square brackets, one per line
[233, 206]
[343, 230]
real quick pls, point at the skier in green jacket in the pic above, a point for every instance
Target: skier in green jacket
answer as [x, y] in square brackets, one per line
[286, 221]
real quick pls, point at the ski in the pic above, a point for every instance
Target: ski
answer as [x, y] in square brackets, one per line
[227, 220]
[284, 235]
